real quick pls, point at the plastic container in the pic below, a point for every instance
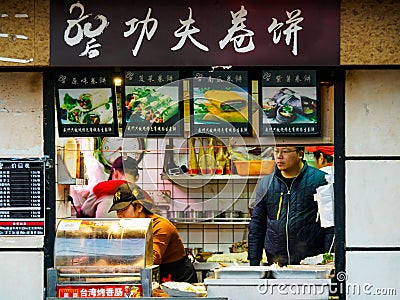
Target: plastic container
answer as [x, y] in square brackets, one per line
[254, 167]
[254, 272]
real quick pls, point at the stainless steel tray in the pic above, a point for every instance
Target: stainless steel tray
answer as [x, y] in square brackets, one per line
[288, 273]
[255, 272]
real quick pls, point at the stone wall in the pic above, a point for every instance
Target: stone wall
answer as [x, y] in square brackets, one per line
[369, 32]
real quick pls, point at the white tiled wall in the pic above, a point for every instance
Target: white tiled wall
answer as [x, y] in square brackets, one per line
[22, 275]
[200, 195]
[372, 112]
[372, 109]
[373, 275]
[372, 203]
[212, 237]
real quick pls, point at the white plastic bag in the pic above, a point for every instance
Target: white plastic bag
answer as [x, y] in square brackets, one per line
[325, 200]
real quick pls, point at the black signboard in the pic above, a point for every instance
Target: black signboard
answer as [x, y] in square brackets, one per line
[194, 33]
[153, 104]
[290, 103]
[86, 104]
[220, 103]
[22, 197]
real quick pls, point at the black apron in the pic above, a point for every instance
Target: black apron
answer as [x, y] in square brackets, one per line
[181, 270]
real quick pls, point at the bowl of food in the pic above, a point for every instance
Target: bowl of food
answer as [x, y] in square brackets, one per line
[269, 108]
[254, 167]
[285, 114]
[309, 105]
[183, 289]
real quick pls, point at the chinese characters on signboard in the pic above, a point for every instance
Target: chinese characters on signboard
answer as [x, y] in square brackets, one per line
[153, 33]
[21, 197]
[290, 103]
[86, 104]
[220, 103]
[153, 104]
[75, 32]
[100, 291]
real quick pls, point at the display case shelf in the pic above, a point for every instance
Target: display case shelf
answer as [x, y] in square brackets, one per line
[185, 177]
[215, 221]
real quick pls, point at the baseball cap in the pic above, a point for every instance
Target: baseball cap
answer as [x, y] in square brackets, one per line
[127, 194]
[328, 150]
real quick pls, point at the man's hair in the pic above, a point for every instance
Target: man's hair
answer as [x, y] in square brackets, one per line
[125, 165]
[134, 171]
[145, 210]
[328, 158]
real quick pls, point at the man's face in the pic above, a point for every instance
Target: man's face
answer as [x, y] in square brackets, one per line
[286, 158]
[129, 212]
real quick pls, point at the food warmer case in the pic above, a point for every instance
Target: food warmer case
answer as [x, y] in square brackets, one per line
[103, 258]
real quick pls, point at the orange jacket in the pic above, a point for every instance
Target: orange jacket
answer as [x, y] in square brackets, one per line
[167, 244]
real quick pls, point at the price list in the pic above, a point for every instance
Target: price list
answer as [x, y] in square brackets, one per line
[21, 197]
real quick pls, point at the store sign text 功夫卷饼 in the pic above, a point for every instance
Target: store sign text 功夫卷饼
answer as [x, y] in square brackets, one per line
[150, 33]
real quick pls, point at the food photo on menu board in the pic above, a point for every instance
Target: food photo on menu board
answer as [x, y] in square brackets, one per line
[153, 105]
[216, 106]
[149, 104]
[86, 104]
[289, 103]
[219, 106]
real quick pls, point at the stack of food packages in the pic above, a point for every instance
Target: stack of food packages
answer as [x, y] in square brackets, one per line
[212, 157]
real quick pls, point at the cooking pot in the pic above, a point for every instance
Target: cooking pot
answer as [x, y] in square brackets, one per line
[196, 251]
[191, 215]
[245, 215]
[210, 214]
[230, 214]
[175, 214]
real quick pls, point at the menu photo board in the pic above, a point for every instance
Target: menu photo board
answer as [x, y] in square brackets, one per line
[22, 197]
[153, 104]
[220, 104]
[86, 104]
[289, 103]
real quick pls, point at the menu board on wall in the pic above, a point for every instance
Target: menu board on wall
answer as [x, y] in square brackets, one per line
[22, 197]
[220, 103]
[86, 104]
[153, 104]
[290, 103]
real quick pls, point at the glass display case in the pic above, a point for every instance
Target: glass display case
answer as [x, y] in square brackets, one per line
[103, 246]
[104, 256]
